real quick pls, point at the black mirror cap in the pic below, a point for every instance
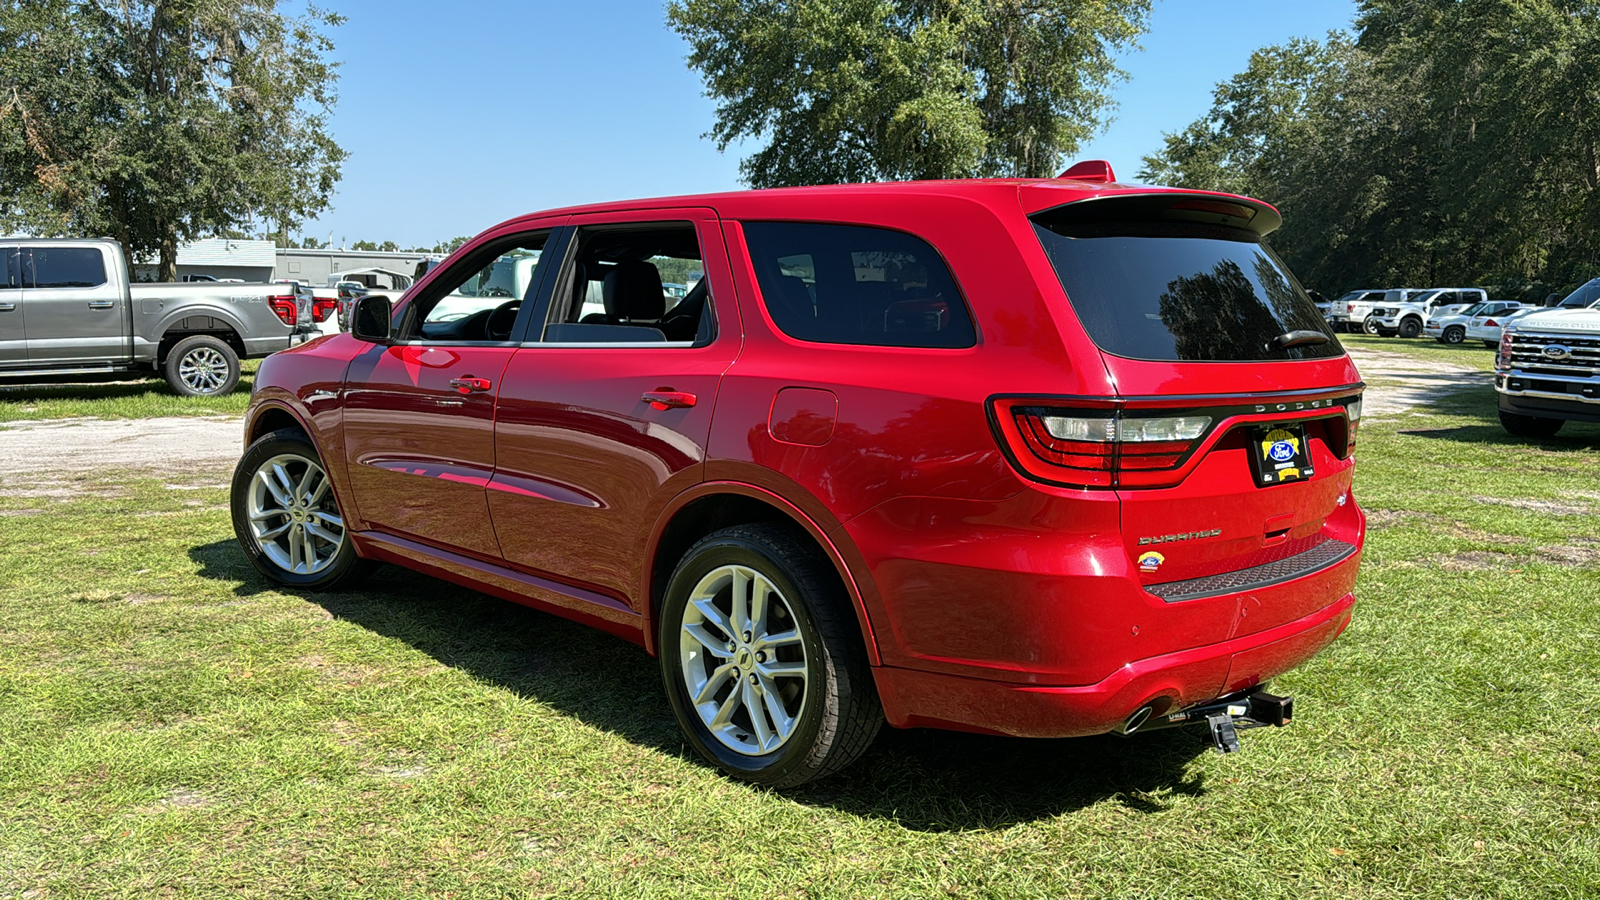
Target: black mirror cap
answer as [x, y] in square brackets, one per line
[371, 320]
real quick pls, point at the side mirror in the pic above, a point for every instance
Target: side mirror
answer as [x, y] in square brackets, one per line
[370, 322]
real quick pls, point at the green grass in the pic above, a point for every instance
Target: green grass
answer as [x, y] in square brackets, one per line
[127, 398]
[170, 726]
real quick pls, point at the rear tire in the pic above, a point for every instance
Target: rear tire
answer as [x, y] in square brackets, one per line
[762, 660]
[1455, 334]
[1492, 345]
[201, 366]
[1530, 426]
[1369, 325]
[287, 518]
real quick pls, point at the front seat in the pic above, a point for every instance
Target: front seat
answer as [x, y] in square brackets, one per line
[632, 294]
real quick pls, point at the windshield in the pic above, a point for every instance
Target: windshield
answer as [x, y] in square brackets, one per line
[1583, 297]
[1182, 292]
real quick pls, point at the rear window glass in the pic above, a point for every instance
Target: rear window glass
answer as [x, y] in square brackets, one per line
[13, 268]
[1172, 291]
[66, 267]
[847, 284]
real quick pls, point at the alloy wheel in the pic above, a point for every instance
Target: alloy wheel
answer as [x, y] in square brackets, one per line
[743, 660]
[292, 514]
[203, 370]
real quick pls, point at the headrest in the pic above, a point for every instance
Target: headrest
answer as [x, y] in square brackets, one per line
[632, 290]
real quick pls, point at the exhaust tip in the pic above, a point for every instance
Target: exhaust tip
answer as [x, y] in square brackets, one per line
[1139, 717]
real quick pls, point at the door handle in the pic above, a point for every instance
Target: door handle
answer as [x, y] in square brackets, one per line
[101, 304]
[666, 398]
[466, 384]
[7, 307]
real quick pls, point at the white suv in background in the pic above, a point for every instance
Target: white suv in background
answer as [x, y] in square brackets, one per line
[1349, 313]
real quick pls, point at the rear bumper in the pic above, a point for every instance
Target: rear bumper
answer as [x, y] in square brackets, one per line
[913, 698]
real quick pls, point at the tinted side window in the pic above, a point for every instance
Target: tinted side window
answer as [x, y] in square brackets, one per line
[847, 284]
[68, 267]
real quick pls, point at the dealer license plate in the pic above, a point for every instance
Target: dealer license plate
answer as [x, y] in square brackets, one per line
[1278, 454]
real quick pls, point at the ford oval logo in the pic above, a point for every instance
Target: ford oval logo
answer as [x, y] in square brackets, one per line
[1557, 351]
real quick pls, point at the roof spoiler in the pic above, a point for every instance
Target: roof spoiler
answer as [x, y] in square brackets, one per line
[1092, 171]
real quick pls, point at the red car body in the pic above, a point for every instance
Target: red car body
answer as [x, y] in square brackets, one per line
[991, 596]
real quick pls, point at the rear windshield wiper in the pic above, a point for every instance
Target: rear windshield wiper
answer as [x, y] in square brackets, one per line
[1296, 339]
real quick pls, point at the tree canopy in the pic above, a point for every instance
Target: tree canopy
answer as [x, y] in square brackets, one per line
[860, 90]
[1446, 142]
[161, 121]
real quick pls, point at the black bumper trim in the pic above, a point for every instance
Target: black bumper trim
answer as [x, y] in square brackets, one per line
[1289, 568]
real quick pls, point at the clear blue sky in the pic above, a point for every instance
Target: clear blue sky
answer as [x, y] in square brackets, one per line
[462, 116]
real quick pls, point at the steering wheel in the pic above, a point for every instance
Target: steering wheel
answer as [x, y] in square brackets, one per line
[500, 322]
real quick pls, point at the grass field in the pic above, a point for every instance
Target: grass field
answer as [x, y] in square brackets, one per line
[169, 726]
[128, 398]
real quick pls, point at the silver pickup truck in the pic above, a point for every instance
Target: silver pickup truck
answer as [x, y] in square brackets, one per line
[67, 308]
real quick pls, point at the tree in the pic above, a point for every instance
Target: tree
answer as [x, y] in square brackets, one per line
[160, 121]
[1446, 142]
[858, 90]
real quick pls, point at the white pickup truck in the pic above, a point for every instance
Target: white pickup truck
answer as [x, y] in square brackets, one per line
[1548, 371]
[1406, 313]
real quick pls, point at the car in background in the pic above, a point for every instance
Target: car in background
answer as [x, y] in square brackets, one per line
[1405, 312]
[1489, 328]
[1452, 329]
[1350, 312]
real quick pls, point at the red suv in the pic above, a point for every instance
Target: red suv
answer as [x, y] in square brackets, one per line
[1028, 457]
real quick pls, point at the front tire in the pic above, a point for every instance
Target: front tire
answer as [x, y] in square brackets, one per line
[287, 519]
[1410, 328]
[1455, 334]
[762, 660]
[202, 366]
[1530, 426]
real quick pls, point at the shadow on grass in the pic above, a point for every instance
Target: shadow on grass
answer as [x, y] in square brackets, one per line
[923, 780]
[1483, 404]
[116, 386]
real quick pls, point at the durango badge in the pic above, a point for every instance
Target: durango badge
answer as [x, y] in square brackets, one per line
[1151, 561]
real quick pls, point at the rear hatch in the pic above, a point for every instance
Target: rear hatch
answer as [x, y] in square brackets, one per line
[1231, 429]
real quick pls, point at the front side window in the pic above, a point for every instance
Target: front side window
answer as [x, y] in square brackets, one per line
[68, 267]
[480, 301]
[1177, 291]
[848, 284]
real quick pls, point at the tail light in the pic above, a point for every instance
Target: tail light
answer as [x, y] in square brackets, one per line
[1109, 445]
[321, 309]
[1490, 323]
[286, 308]
[1100, 447]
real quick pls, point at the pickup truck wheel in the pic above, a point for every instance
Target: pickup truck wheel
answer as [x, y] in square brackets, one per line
[762, 658]
[1530, 426]
[1369, 325]
[287, 519]
[1492, 345]
[1455, 334]
[202, 366]
[1410, 328]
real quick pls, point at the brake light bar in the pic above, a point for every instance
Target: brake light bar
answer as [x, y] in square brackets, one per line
[286, 308]
[1092, 443]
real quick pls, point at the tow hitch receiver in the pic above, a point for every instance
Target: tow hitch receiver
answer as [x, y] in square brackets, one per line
[1227, 716]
